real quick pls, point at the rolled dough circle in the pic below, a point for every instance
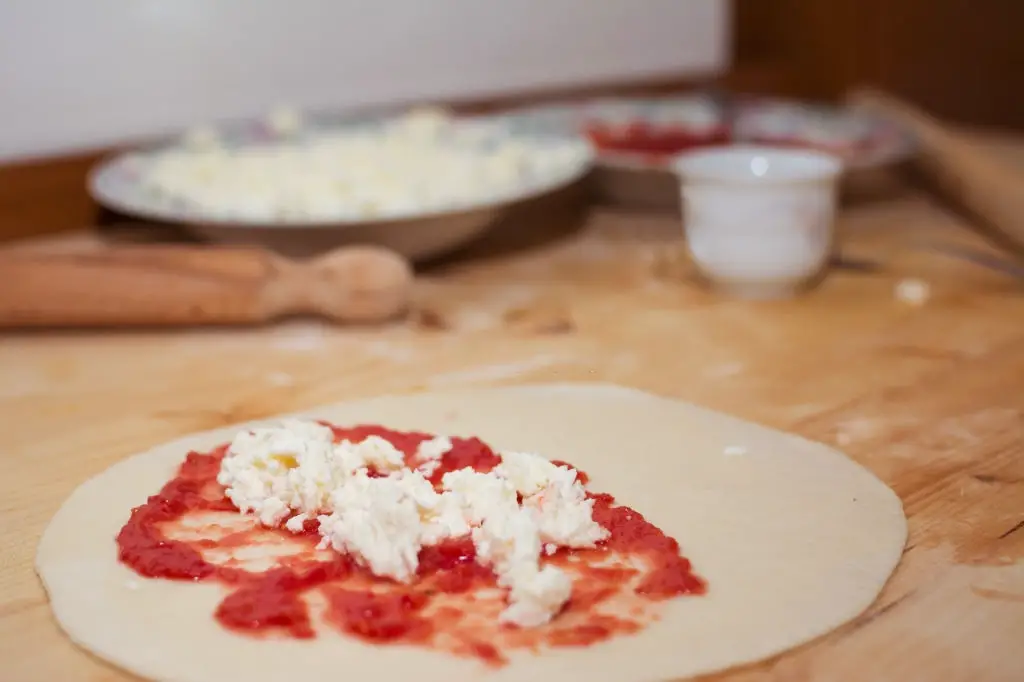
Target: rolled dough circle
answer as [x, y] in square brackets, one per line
[793, 537]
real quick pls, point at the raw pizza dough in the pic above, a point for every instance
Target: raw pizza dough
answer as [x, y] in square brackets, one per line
[793, 538]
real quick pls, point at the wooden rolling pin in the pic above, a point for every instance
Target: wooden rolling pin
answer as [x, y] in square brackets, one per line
[986, 187]
[197, 285]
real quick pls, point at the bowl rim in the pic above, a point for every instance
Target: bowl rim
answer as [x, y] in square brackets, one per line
[832, 165]
[107, 187]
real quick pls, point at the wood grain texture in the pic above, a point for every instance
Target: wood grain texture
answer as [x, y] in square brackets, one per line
[967, 174]
[930, 398]
[956, 58]
[46, 195]
[175, 285]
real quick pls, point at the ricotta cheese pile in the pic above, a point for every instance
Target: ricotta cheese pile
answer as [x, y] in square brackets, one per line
[291, 473]
[424, 161]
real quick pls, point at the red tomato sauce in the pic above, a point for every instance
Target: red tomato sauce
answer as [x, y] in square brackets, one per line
[657, 142]
[452, 605]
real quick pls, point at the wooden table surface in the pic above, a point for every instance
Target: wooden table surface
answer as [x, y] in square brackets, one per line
[930, 397]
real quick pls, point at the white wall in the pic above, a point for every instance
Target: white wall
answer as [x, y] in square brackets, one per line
[81, 73]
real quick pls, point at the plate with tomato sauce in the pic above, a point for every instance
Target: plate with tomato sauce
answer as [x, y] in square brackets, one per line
[636, 138]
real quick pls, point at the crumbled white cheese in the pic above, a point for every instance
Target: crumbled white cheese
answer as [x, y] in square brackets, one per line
[384, 522]
[441, 515]
[536, 597]
[278, 471]
[509, 540]
[435, 448]
[284, 120]
[296, 524]
[377, 521]
[201, 138]
[565, 516]
[530, 474]
[481, 495]
[414, 163]
[275, 471]
[510, 537]
[293, 472]
[912, 292]
[373, 451]
[423, 122]
[431, 452]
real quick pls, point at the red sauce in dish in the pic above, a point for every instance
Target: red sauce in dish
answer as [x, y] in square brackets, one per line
[190, 531]
[653, 141]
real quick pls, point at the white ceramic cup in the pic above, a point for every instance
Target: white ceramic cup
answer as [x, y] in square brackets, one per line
[759, 220]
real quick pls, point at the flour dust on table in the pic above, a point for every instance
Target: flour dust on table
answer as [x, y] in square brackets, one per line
[571, 531]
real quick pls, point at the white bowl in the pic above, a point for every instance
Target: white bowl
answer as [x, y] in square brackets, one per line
[418, 233]
[759, 220]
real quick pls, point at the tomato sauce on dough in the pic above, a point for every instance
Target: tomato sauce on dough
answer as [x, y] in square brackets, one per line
[189, 531]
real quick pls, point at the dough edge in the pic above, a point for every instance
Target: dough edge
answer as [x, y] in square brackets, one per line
[51, 548]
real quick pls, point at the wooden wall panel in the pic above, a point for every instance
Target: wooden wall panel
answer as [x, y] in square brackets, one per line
[962, 59]
[47, 195]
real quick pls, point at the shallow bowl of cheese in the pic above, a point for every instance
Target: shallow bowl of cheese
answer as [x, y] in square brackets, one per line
[421, 183]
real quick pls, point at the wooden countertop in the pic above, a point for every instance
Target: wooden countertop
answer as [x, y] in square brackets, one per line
[930, 397]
